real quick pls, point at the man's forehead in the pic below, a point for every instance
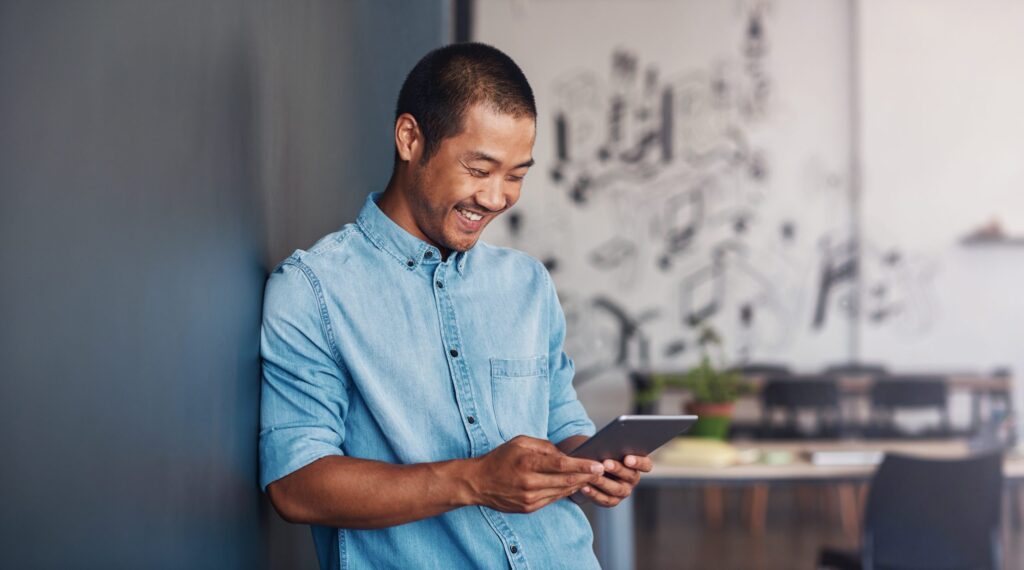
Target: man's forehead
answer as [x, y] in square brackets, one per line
[493, 136]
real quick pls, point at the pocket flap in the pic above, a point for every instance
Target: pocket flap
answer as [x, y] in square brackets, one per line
[519, 367]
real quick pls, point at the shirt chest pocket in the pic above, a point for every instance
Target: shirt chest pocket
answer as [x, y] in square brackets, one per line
[519, 395]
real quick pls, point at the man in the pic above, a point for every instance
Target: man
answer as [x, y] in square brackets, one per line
[417, 405]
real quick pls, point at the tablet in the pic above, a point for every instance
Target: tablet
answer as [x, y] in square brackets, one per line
[632, 435]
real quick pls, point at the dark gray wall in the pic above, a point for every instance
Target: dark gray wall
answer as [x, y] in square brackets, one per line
[329, 78]
[155, 159]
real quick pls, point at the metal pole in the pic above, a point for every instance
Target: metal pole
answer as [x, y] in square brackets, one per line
[856, 189]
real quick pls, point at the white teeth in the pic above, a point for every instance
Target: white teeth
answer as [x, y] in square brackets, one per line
[469, 215]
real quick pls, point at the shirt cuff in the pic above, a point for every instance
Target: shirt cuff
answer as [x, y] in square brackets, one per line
[286, 450]
[577, 425]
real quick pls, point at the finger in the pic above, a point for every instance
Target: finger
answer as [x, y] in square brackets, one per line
[557, 482]
[621, 472]
[539, 445]
[565, 464]
[545, 500]
[573, 492]
[612, 488]
[639, 462]
[600, 498]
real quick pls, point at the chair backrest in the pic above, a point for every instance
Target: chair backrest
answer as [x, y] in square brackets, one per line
[800, 392]
[763, 369]
[925, 513]
[855, 368]
[910, 392]
[793, 394]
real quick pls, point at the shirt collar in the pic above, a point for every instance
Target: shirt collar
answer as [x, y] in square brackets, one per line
[393, 239]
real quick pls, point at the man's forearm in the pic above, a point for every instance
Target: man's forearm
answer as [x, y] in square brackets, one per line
[521, 475]
[348, 492]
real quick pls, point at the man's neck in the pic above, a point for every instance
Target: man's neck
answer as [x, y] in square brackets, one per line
[395, 205]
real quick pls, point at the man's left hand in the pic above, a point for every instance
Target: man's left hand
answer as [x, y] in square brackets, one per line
[618, 481]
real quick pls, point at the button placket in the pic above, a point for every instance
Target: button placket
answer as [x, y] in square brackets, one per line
[508, 537]
[451, 338]
[456, 364]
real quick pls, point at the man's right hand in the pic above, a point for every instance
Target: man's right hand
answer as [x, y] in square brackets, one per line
[526, 474]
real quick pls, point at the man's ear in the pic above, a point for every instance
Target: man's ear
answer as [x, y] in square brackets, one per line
[408, 138]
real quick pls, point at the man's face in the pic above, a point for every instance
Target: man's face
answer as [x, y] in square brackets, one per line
[472, 178]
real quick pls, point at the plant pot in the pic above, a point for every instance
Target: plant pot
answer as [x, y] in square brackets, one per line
[713, 419]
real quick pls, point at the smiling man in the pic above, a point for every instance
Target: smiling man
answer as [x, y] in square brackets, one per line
[417, 404]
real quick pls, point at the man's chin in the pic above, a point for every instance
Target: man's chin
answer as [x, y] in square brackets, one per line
[462, 245]
[465, 247]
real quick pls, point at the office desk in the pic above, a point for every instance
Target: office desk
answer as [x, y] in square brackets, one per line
[615, 526]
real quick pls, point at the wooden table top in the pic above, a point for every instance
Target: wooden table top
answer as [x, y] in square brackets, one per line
[801, 467]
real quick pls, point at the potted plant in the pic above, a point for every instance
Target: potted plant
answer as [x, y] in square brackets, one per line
[714, 388]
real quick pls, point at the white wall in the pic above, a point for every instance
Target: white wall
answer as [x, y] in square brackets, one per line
[943, 149]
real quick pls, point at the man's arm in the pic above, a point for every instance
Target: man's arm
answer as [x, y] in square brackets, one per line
[522, 476]
[347, 492]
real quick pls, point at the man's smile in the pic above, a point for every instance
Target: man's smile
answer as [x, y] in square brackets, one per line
[470, 215]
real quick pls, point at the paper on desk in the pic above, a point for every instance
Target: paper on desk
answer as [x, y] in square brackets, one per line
[698, 452]
[846, 458]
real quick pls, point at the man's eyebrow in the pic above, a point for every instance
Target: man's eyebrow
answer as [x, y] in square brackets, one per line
[478, 155]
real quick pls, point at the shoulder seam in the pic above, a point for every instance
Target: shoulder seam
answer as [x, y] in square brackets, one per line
[512, 251]
[338, 241]
[325, 319]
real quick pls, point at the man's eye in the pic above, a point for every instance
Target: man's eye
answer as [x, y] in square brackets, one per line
[478, 173]
[513, 178]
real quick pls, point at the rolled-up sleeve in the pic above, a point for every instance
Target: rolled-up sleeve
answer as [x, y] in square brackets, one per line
[566, 415]
[304, 396]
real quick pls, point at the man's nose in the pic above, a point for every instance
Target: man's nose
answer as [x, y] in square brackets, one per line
[492, 197]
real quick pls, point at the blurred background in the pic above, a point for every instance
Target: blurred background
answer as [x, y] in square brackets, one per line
[801, 219]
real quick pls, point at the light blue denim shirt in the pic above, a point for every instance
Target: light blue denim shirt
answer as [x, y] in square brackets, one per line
[374, 348]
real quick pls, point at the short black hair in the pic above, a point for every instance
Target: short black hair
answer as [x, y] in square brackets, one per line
[450, 79]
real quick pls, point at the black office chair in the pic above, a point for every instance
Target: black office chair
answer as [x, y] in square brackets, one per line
[925, 513]
[789, 395]
[892, 393]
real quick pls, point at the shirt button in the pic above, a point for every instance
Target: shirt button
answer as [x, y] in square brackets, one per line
[513, 549]
[471, 419]
[440, 285]
[428, 254]
[410, 263]
[454, 353]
